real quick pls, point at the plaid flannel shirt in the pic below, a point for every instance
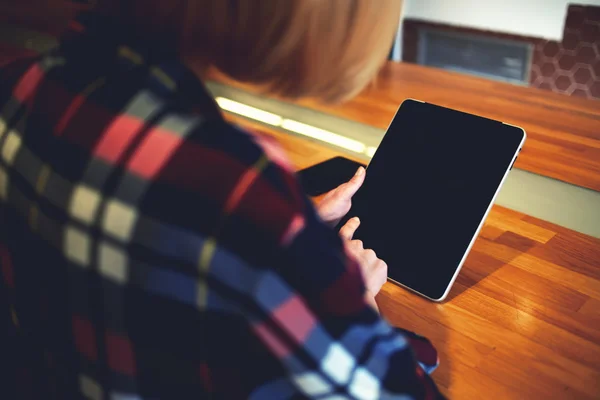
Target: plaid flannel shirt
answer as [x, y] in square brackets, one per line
[148, 249]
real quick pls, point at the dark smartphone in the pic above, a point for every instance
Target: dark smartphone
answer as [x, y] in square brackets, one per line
[325, 176]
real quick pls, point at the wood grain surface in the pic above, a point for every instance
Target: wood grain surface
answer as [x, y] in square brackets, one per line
[523, 318]
[563, 132]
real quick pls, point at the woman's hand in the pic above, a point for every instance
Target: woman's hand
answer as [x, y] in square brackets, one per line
[337, 202]
[373, 269]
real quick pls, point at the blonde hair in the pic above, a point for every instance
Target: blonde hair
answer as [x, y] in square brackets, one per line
[324, 49]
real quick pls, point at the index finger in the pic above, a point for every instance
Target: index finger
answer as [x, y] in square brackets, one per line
[347, 231]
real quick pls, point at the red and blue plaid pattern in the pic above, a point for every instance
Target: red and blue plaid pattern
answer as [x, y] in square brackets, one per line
[150, 250]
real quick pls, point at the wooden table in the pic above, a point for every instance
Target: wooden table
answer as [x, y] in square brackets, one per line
[563, 132]
[523, 318]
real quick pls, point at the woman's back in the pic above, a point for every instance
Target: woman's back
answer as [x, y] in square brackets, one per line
[150, 249]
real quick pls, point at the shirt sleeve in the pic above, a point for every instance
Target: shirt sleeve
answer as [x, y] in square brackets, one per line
[326, 336]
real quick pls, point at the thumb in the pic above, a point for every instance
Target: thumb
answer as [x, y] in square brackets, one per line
[347, 231]
[351, 187]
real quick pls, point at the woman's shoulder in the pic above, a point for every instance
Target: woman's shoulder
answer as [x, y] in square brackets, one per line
[221, 172]
[267, 145]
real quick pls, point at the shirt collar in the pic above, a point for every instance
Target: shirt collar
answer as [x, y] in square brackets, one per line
[99, 35]
[99, 39]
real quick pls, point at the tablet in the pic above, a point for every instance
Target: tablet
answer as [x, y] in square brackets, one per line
[428, 190]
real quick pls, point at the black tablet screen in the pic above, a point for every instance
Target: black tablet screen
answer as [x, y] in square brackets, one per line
[427, 190]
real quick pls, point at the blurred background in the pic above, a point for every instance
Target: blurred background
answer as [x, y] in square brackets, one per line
[547, 44]
[530, 63]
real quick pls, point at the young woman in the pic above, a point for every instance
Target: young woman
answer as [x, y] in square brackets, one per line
[149, 249]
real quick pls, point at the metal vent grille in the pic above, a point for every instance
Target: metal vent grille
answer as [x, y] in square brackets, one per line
[499, 59]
